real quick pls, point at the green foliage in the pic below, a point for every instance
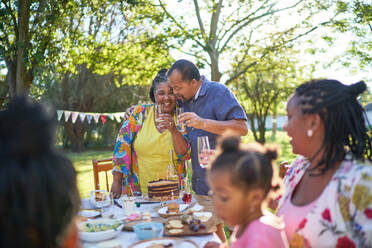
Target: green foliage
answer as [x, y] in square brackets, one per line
[266, 87]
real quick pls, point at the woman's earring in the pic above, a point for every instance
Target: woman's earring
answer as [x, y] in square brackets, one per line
[309, 133]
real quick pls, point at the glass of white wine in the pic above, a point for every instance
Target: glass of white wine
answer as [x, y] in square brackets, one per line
[204, 151]
[180, 125]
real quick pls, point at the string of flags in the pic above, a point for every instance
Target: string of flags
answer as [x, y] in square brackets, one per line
[97, 117]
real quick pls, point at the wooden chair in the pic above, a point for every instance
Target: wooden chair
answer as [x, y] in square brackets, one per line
[104, 165]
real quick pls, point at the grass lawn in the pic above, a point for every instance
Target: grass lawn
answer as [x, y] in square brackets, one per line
[83, 161]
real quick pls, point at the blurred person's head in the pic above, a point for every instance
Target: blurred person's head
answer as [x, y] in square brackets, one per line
[241, 179]
[184, 78]
[161, 93]
[325, 119]
[38, 192]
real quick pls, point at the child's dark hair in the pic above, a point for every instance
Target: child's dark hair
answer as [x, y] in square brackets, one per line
[161, 77]
[250, 166]
[343, 116]
[38, 191]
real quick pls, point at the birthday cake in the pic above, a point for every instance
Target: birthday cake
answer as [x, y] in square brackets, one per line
[163, 189]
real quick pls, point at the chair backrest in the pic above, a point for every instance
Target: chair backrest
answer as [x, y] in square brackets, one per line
[104, 165]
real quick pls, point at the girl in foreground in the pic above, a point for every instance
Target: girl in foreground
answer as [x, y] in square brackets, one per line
[241, 181]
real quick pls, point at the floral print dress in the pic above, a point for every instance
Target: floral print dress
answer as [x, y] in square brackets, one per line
[342, 216]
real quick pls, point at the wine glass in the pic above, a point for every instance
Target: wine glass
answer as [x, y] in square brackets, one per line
[204, 151]
[180, 125]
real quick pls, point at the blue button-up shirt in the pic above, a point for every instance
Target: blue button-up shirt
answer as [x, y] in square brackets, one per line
[216, 102]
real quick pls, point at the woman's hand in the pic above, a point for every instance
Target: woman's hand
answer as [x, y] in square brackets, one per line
[167, 122]
[116, 189]
[116, 186]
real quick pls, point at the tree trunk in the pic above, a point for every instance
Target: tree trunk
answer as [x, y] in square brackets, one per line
[262, 131]
[215, 73]
[23, 20]
[275, 124]
[76, 131]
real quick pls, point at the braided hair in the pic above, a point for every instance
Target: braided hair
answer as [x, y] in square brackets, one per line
[38, 192]
[343, 116]
[250, 166]
[161, 77]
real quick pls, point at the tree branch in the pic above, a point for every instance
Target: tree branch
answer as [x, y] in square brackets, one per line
[254, 19]
[200, 22]
[214, 22]
[9, 8]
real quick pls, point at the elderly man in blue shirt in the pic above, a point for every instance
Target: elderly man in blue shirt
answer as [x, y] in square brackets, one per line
[210, 109]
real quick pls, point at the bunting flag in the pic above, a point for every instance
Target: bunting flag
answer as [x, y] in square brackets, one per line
[59, 114]
[89, 118]
[74, 116]
[117, 117]
[82, 117]
[98, 117]
[67, 115]
[103, 119]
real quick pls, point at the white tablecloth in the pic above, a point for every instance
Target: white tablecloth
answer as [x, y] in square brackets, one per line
[128, 238]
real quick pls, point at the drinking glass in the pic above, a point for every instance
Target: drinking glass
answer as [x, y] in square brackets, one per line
[157, 117]
[204, 151]
[180, 125]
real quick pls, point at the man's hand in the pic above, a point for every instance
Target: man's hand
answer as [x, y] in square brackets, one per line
[192, 120]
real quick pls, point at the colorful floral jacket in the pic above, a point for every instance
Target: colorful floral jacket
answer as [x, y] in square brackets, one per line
[124, 157]
[342, 215]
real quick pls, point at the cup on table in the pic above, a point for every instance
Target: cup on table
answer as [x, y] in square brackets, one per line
[128, 205]
[180, 125]
[204, 151]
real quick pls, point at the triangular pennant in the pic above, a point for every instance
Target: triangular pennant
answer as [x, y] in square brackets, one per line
[103, 119]
[67, 115]
[82, 117]
[89, 118]
[59, 114]
[117, 117]
[74, 116]
[111, 116]
[96, 117]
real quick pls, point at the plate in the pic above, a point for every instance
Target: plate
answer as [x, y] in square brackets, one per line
[89, 213]
[163, 211]
[165, 241]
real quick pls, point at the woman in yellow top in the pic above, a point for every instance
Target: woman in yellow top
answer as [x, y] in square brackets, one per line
[141, 152]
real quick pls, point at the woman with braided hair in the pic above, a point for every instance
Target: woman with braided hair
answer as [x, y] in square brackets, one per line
[327, 200]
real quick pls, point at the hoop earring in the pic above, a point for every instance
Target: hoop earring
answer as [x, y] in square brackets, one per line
[309, 133]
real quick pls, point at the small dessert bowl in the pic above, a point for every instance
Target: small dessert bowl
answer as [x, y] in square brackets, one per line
[148, 230]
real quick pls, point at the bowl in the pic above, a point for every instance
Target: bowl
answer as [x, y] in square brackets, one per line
[102, 203]
[148, 230]
[203, 216]
[96, 232]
